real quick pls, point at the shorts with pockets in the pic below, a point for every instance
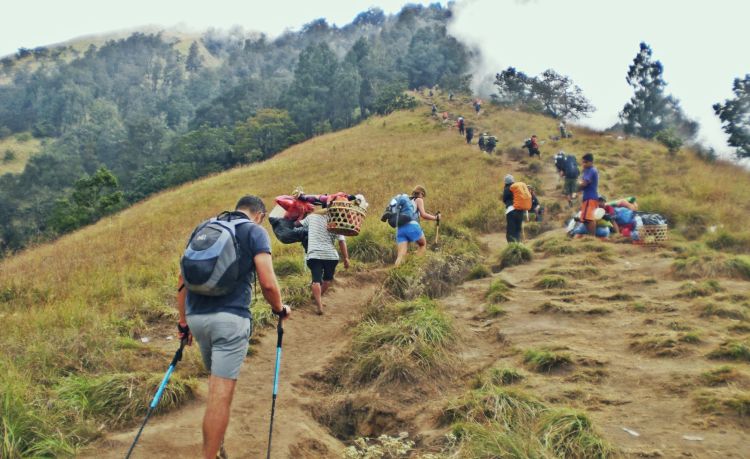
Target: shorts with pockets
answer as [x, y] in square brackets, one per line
[322, 270]
[223, 340]
[411, 232]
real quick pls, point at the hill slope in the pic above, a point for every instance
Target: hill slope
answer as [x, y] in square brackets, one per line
[74, 311]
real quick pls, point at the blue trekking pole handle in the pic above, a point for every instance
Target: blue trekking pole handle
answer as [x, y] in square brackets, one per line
[177, 357]
[279, 336]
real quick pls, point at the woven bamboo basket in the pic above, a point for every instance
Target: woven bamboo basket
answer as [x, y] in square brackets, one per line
[345, 218]
[654, 234]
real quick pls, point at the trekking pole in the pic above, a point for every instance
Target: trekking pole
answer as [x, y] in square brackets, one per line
[280, 335]
[177, 357]
[437, 229]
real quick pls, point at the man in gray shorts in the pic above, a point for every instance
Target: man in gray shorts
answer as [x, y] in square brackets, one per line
[223, 324]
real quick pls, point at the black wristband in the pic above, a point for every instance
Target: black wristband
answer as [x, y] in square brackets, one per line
[283, 313]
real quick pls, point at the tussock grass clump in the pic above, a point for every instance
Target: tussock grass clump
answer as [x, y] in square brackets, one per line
[698, 263]
[498, 292]
[296, 290]
[514, 254]
[497, 422]
[733, 402]
[724, 311]
[262, 315]
[479, 271]
[570, 433]
[555, 246]
[497, 376]
[720, 376]
[545, 361]
[493, 310]
[571, 271]
[119, 399]
[729, 242]
[551, 282]
[434, 275]
[660, 347]
[740, 329]
[372, 247]
[731, 350]
[411, 341]
[695, 290]
[484, 217]
[289, 265]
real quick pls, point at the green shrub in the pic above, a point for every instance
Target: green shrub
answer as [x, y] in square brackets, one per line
[670, 139]
[543, 360]
[570, 433]
[514, 254]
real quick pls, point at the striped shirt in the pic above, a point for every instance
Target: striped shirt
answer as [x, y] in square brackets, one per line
[320, 243]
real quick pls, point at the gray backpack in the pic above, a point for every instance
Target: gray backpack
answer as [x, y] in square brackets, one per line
[210, 263]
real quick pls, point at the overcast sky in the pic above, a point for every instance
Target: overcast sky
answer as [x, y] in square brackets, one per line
[702, 44]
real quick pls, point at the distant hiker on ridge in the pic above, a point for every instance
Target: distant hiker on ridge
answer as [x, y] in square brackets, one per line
[469, 134]
[216, 311]
[321, 255]
[517, 200]
[590, 187]
[461, 125]
[533, 146]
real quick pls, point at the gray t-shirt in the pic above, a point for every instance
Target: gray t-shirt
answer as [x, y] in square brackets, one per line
[320, 242]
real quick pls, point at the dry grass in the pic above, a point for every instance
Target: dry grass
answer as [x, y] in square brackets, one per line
[69, 307]
[20, 150]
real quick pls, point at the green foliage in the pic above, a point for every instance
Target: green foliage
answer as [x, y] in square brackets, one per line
[720, 376]
[551, 282]
[735, 118]
[372, 247]
[731, 350]
[670, 139]
[705, 288]
[268, 132]
[287, 266]
[729, 242]
[479, 271]
[497, 376]
[569, 433]
[92, 198]
[486, 217]
[9, 156]
[434, 275]
[393, 98]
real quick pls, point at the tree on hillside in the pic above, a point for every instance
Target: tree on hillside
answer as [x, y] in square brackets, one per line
[735, 116]
[559, 96]
[434, 57]
[269, 131]
[194, 60]
[513, 87]
[651, 110]
[92, 198]
[391, 98]
[310, 98]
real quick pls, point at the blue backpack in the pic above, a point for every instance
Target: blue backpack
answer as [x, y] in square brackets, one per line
[210, 263]
[400, 211]
[624, 216]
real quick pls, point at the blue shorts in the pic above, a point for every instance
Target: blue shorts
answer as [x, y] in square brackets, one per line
[411, 232]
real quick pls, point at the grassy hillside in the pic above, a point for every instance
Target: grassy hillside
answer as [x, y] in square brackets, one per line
[16, 150]
[74, 311]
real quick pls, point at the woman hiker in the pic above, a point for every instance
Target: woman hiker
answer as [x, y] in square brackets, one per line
[412, 231]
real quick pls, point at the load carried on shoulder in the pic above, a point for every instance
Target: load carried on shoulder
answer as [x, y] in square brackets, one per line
[293, 209]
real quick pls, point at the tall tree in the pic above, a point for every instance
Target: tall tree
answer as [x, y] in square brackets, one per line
[560, 97]
[310, 98]
[194, 60]
[651, 110]
[735, 116]
[269, 131]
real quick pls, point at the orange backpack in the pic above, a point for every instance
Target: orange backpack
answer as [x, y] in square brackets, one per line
[521, 196]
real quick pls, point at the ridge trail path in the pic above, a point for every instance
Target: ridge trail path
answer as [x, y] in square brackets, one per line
[310, 341]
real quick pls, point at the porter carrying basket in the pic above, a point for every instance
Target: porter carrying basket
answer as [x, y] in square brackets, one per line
[345, 218]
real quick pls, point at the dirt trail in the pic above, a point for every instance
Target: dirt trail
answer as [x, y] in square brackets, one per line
[310, 341]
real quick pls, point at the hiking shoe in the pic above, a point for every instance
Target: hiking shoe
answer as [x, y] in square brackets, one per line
[222, 454]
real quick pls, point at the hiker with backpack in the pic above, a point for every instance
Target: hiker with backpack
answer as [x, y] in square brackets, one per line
[404, 213]
[517, 200]
[570, 173]
[482, 139]
[532, 144]
[490, 143]
[563, 130]
[321, 256]
[469, 135]
[223, 256]
[590, 187]
[461, 126]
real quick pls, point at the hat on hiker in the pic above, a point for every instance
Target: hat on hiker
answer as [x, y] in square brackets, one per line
[509, 179]
[419, 189]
